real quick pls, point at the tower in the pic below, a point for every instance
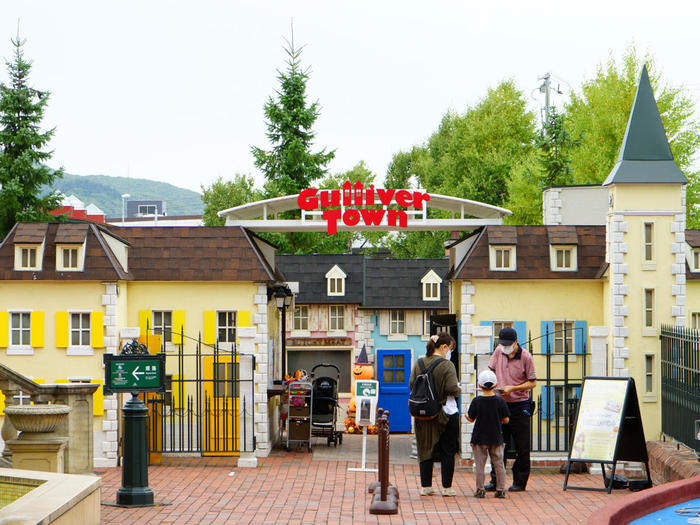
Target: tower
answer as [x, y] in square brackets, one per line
[645, 250]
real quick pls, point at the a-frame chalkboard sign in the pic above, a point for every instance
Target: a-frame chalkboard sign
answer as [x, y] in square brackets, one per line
[608, 427]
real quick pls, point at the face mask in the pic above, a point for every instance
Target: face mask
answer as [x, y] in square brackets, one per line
[507, 349]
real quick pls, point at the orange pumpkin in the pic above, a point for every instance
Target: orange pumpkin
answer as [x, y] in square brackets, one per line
[361, 371]
[352, 406]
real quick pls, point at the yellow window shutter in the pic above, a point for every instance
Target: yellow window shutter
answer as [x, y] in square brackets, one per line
[62, 330]
[98, 399]
[209, 327]
[145, 322]
[4, 329]
[178, 325]
[243, 318]
[177, 388]
[97, 329]
[38, 380]
[2, 404]
[61, 381]
[37, 324]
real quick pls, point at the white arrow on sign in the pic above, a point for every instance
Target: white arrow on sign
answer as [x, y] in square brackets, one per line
[136, 374]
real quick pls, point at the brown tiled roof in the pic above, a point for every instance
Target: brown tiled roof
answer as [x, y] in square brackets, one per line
[71, 233]
[194, 253]
[562, 235]
[30, 232]
[692, 237]
[98, 265]
[503, 235]
[532, 254]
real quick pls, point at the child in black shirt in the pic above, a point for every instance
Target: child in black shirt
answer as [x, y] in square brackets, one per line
[490, 412]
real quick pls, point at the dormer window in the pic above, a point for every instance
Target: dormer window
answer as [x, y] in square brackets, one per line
[335, 281]
[69, 258]
[431, 286]
[502, 258]
[28, 257]
[563, 258]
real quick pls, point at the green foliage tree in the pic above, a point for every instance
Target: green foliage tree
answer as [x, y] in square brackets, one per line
[22, 147]
[223, 194]
[600, 111]
[471, 155]
[290, 165]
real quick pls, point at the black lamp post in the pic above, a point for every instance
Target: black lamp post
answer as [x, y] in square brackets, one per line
[283, 300]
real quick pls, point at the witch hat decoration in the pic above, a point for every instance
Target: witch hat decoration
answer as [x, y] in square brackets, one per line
[362, 358]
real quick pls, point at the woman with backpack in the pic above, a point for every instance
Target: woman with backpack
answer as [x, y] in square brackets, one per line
[437, 434]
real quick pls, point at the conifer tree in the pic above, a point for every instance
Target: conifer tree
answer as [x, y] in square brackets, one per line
[290, 165]
[22, 147]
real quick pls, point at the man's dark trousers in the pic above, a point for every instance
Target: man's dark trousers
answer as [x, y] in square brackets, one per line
[519, 428]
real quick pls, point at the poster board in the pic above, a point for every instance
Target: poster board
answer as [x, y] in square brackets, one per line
[608, 427]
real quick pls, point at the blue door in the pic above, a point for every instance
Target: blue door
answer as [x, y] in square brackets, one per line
[393, 372]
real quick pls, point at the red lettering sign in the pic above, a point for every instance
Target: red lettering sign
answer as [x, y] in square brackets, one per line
[364, 200]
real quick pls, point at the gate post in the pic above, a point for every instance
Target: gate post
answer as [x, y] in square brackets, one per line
[598, 350]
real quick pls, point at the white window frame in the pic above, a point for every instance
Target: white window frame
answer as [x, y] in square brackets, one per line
[79, 257]
[79, 349]
[303, 315]
[558, 336]
[399, 322]
[650, 396]
[147, 207]
[336, 314]
[493, 258]
[694, 260]
[426, 322]
[649, 264]
[695, 320]
[167, 335]
[19, 349]
[431, 286]
[649, 330]
[39, 254]
[564, 248]
[227, 327]
[335, 282]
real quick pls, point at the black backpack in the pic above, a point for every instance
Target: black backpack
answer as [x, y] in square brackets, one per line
[422, 403]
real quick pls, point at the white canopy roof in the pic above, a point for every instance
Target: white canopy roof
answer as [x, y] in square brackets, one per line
[263, 216]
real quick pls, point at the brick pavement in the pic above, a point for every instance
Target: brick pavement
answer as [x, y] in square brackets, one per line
[293, 488]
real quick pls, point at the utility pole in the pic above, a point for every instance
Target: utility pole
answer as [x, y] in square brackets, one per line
[545, 88]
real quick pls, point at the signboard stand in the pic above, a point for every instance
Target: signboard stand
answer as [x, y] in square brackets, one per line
[608, 428]
[366, 398]
[135, 371]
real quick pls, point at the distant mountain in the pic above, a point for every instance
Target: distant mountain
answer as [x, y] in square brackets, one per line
[105, 192]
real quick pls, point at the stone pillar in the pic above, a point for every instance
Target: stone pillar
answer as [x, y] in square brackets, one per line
[262, 418]
[46, 454]
[618, 270]
[8, 430]
[247, 349]
[467, 351]
[678, 268]
[599, 350]
[77, 426]
[551, 207]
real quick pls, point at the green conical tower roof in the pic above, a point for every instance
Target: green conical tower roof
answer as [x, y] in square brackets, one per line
[645, 156]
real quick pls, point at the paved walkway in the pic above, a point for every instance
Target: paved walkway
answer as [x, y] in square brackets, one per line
[294, 487]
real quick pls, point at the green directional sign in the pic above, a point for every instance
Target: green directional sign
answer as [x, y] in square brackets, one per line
[134, 373]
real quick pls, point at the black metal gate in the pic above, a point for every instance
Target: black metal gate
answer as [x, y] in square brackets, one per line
[560, 374]
[680, 383]
[207, 408]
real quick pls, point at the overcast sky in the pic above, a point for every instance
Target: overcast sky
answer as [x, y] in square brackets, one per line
[174, 91]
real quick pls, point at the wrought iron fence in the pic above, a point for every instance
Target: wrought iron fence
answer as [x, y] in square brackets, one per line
[208, 404]
[560, 372]
[680, 383]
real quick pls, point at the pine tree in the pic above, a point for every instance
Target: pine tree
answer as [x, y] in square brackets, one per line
[553, 143]
[290, 165]
[22, 148]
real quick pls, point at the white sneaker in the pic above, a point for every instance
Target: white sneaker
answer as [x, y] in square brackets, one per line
[426, 491]
[449, 492]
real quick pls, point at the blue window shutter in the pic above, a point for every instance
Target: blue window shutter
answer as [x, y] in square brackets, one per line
[521, 330]
[547, 342]
[547, 402]
[580, 335]
[489, 323]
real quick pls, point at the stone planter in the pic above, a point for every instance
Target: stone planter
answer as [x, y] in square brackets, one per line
[36, 420]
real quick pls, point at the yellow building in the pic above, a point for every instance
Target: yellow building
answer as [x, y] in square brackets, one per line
[590, 290]
[71, 292]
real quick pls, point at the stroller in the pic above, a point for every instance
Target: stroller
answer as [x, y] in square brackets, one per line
[324, 403]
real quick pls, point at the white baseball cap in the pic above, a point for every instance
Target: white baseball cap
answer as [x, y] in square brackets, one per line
[488, 379]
